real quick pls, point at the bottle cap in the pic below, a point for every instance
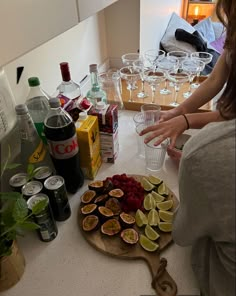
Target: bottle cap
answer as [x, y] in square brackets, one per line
[65, 71]
[93, 68]
[100, 105]
[33, 81]
[21, 109]
[54, 103]
[83, 115]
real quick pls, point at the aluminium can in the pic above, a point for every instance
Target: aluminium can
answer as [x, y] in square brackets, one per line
[56, 191]
[31, 188]
[18, 181]
[42, 173]
[47, 226]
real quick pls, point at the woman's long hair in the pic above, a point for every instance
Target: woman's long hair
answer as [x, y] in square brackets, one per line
[226, 12]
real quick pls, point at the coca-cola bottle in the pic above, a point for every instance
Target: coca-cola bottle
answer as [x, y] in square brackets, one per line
[60, 133]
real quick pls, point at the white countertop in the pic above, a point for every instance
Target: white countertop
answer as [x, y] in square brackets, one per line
[68, 265]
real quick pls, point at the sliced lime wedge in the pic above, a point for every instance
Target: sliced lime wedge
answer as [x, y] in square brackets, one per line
[140, 218]
[153, 218]
[166, 216]
[149, 202]
[147, 244]
[165, 205]
[151, 233]
[157, 197]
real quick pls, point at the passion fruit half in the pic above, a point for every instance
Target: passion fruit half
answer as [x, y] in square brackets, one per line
[111, 227]
[88, 196]
[96, 186]
[105, 213]
[114, 205]
[101, 199]
[89, 209]
[130, 236]
[90, 223]
[126, 220]
[117, 193]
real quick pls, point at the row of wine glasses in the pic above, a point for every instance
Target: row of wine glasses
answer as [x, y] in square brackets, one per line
[154, 67]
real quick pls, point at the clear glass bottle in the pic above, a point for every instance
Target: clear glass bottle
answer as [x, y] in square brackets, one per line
[33, 150]
[38, 105]
[95, 94]
[69, 92]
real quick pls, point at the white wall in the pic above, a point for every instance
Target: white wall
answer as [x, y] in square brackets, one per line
[80, 46]
[154, 17]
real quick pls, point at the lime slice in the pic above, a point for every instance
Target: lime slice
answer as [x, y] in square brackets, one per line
[165, 226]
[140, 218]
[163, 190]
[153, 218]
[165, 205]
[151, 233]
[147, 244]
[149, 202]
[154, 180]
[166, 216]
[147, 186]
[157, 197]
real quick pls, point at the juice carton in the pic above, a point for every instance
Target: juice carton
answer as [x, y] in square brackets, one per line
[107, 117]
[109, 146]
[89, 146]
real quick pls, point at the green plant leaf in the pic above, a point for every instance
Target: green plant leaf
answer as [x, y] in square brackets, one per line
[39, 206]
[30, 171]
[20, 210]
[10, 195]
[29, 225]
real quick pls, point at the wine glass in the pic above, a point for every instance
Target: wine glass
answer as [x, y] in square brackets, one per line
[178, 54]
[131, 75]
[178, 79]
[192, 67]
[139, 65]
[167, 64]
[127, 60]
[206, 58]
[153, 56]
[154, 78]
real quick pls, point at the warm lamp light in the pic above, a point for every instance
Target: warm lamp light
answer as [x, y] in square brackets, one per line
[196, 12]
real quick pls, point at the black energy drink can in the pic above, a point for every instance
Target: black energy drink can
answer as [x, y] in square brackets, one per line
[56, 191]
[47, 226]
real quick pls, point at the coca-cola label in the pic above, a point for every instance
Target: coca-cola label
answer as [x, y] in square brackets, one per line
[63, 149]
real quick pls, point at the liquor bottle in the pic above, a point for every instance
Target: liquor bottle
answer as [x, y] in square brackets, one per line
[38, 105]
[33, 151]
[63, 146]
[69, 92]
[95, 94]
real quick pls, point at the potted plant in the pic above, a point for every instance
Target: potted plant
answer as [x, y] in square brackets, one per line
[15, 218]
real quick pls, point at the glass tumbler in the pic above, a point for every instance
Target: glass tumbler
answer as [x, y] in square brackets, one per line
[140, 140]
[155, 155]
[151, 113]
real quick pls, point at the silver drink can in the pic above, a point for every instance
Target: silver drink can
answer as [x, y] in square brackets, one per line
[31, 188]
[18, 181]
[47, 226]
[42, 173]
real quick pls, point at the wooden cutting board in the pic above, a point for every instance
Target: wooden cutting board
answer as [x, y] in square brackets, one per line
[114, 246]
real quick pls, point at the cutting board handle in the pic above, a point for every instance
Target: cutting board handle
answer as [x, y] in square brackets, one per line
[162, 282]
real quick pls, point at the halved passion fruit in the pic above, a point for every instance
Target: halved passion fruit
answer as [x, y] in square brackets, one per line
[126, 220]
[114, 205]
[88, 196]
[117, 193]
[90, 223]
[105, 213]
[89, 209]
[101, 199]
[96, 186]
[111, 227]
[130, 236]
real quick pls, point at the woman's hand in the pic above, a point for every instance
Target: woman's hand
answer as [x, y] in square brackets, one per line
[168, 129]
